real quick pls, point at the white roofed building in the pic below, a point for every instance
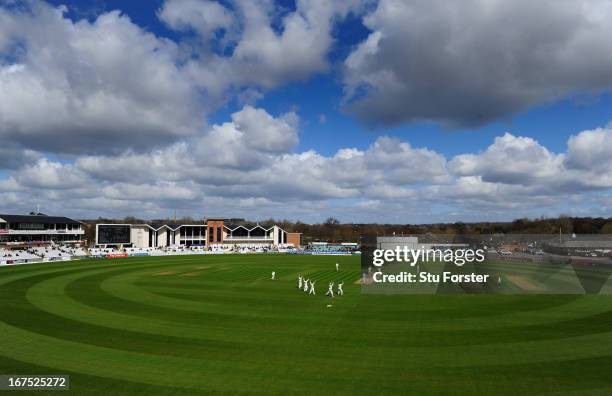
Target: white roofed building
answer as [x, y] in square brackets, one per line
[39, 229]
[212, 232]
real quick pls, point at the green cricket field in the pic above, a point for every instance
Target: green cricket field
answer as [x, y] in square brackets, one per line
[211, 324]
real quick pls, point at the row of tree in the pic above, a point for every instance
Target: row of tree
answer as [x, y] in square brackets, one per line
[333, 231]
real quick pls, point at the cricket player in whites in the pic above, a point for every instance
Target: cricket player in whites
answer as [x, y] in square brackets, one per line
[330, 290]
[273, 275]
[306, 285]
[340, 291]
[337, 267]
[312, 289]
[300, 282]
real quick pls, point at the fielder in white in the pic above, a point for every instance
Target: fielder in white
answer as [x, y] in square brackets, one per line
[312, 289]
[330, 290]
[300, 282]
[273, 275]
[337, 267]
[306, 285]
[340, 291]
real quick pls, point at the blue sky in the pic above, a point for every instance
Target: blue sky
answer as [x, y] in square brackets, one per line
[369, 110]
[550, 123]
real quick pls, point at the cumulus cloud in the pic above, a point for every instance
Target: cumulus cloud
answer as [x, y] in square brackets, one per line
[299, 50]
[102, 117]
[248, 159]
[388, 181]
[522, 162]
[105, 85]
[91, 87]
[589, 158]
[203, 16]
[50, 175]
[161, 191]
[246, 142]
[519, 173]
[13, 156]
[262, 132]
[590, 151]
[404, 164]
[9, 185]
[510, 160]
[467, 63]
[262, 46]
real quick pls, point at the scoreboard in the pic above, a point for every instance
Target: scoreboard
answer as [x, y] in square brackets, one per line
[113, 234]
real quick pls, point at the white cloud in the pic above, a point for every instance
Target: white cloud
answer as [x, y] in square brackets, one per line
[405, 165]
[471, 62]
[589, 158]
[249, 159]
[523, 162]
[388, 181]
[246, 142]
[203, 16]
[93, 87]
[102, 117]
[13, 156]
[268, 50]
[591, 151]
[510, 160]
[107, 85]
[298, 51]
[9, 185]
[264, 133]
[50, 175]
[225, 146]
[161, 191]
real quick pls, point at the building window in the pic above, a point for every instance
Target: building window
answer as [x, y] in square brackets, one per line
[240, 232]
[211, 234]
[258, 232]
[219, 238]
[30, 226]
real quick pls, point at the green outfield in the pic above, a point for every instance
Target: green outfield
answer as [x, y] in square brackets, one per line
[218, 324]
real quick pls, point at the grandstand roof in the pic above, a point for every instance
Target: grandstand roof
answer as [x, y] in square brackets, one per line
[247, 226]
[38, 219]
[173, 226]
[157, 226]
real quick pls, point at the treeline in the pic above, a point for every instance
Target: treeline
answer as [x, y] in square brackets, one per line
[332, 230]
